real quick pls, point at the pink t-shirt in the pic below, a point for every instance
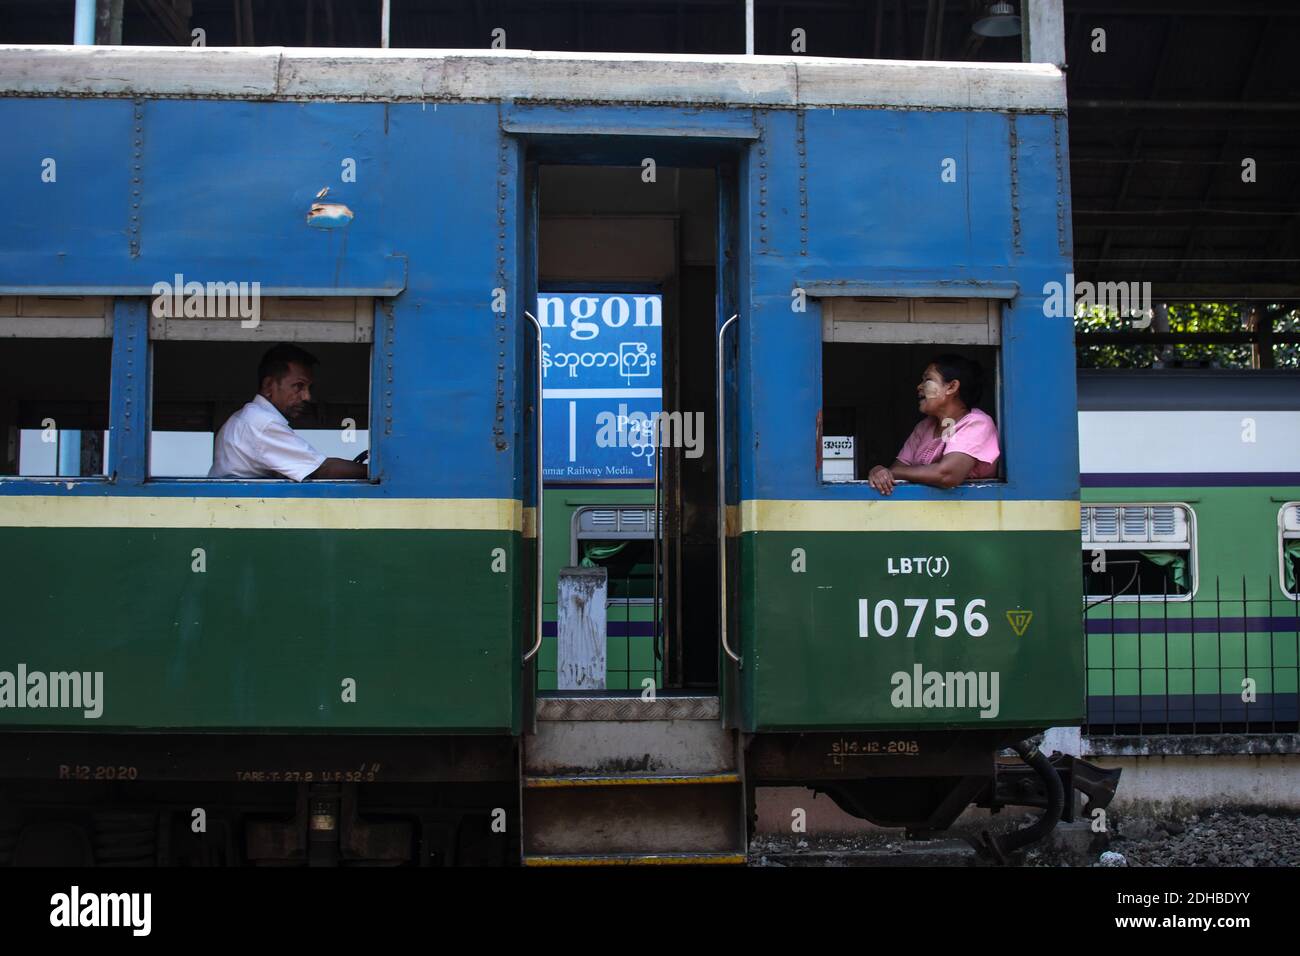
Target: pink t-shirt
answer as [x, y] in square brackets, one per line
[975, 435]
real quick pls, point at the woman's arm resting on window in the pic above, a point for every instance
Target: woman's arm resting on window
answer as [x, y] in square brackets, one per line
[339, 468]
[882, 478]
[948, 472]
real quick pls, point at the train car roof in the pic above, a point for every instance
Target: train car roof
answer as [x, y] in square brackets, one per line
[1113, 390]
[430, 76]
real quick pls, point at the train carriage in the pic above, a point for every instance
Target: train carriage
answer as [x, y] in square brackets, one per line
[1191, 548]
[358, 661]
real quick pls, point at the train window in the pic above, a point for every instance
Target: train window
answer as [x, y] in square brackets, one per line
[1139, 551]
[621, 540]
[874, 351]
[55, 367]
[1289, 547]
[205, 370]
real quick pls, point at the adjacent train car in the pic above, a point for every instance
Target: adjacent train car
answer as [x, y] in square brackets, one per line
[355, 663]
[1191, 547]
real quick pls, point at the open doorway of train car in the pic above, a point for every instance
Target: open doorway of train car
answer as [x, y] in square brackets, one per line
[627, 297]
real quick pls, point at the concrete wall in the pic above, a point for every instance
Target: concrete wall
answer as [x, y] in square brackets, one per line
[1163, 776]
[1164, 785]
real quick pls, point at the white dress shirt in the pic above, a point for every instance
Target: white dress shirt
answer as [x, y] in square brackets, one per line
[257, 442]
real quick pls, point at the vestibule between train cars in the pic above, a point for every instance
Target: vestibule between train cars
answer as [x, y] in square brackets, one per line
[627, 246]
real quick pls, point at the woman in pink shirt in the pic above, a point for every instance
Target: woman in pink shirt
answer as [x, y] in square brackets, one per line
[955, 441]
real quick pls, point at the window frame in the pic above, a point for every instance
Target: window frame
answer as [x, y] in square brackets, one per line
[1284, 535]
[576, 534]
[367, 328]
[996, 316]
[25, 328]
[1192, 550]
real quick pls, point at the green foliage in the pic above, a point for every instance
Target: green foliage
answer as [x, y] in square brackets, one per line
[1184, 317]
[1287, 356]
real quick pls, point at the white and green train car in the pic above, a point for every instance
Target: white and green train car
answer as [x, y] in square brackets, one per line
[1191, 549]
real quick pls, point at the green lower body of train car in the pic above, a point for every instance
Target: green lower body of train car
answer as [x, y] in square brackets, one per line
[267, 629]
[880, 630]
[1216, 642]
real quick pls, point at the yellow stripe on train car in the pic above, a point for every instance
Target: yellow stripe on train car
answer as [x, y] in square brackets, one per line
[334, 514]
[883, 515]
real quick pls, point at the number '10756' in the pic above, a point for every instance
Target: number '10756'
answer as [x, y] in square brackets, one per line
[883, 618]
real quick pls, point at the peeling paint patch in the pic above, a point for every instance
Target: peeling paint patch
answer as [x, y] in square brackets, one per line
[329, 215]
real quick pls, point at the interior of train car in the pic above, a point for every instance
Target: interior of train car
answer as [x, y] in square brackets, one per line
[54, 389]
[54, 381]
[874, 351]
[205, 371]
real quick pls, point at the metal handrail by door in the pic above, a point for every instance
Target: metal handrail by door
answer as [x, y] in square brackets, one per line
[659, 654]
[722, 497]
[537, 521]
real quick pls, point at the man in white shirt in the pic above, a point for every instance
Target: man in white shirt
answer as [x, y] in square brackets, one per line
[257, 442]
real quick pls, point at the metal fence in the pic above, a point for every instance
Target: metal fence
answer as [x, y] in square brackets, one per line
[1223, 661]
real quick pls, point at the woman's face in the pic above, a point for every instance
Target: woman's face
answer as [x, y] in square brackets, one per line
[932, 393]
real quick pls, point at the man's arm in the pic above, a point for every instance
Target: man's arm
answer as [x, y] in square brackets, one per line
[340, 468]
[284, 451]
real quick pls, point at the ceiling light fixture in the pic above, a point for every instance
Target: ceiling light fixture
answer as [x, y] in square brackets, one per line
[999, 20]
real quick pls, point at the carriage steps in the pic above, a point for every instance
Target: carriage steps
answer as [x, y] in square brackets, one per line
[617, 780]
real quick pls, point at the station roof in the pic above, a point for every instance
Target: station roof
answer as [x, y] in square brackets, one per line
[1160, 127]
[1161, 119]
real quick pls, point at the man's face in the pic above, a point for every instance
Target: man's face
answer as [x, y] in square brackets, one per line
[291, 392]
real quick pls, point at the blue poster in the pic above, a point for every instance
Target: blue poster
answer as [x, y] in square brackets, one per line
[601, 384]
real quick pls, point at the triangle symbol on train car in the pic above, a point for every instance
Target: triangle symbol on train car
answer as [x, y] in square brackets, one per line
[1019, 621]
